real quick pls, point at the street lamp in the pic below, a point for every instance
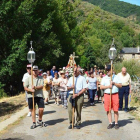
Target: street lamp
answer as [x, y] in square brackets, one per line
[112, 55]
[31, 54]
[112, 52]
[31, 59]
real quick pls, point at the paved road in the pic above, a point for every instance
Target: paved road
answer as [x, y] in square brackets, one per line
[94, 123]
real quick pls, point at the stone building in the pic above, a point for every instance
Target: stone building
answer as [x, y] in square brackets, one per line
[130, 53]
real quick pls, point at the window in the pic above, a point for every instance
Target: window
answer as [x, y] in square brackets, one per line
[133, 55]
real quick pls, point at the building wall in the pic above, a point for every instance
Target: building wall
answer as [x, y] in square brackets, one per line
[131, 56]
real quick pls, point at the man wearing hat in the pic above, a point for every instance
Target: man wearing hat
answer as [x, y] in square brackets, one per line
[25, 76]
[80, 88]
[36, 89]
[106, 85]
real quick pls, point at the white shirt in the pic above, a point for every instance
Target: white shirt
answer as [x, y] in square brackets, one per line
[126, 79]
[63, 84]
[25, 76]
[50, 77]
[92, 83]
[106, 82]
[80, 83]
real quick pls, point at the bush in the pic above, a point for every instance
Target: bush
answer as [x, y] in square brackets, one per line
[132, 67]
[2, 93]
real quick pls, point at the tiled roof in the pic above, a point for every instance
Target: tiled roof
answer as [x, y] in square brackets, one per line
[130, 50]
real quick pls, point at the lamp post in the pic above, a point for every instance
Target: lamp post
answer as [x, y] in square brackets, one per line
[112, 55]
[31, 59]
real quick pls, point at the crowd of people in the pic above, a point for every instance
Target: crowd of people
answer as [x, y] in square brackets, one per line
[59, 85]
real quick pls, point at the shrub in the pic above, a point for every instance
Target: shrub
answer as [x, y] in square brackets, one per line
[132, 67]
[2, 93]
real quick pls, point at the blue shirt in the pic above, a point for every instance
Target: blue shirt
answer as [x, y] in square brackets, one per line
[92, 83]
[52, 73]
[106, 82]
[80, 83]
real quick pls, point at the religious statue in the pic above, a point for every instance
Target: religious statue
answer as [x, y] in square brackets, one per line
[71, 61]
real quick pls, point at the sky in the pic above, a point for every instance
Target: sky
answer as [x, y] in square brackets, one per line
[136, 2]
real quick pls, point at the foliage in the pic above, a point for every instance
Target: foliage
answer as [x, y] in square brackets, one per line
[2, 93]
[119, 8]
[132, 67]
[94, 34]
[136, 99]
[57, 28]
[48, 23]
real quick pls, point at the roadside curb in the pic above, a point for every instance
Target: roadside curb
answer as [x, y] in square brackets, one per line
[14, 117]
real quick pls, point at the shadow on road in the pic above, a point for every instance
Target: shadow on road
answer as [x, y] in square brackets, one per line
[49, 112]
[53, 122]
[124, 122]
[90, 122]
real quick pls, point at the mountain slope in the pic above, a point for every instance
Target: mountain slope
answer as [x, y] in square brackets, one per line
[95, 30]
[120, 8]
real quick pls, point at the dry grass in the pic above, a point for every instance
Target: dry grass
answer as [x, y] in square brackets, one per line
[10, 105]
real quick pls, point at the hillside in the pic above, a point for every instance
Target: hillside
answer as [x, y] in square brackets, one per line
[96, 29]
[130, 11]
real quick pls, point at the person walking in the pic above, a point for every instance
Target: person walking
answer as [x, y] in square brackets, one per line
[51, 79]
[56, 84]
[46, 88]
[80, 88]
[53, 71]
[25, 76]
[63, 89]
[106, 85]
[125, 90]
[100, 92]
[92, 88]
[35, 89]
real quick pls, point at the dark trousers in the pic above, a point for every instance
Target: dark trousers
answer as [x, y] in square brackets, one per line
[92, 94]
[124, 91]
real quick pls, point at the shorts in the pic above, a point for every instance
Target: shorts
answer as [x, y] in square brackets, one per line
[37, 100]
[114, 102]
[46, 94]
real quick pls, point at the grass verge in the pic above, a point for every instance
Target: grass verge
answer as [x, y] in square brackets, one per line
[10, 105]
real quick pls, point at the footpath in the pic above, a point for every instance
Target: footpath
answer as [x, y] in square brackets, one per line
[94, 125]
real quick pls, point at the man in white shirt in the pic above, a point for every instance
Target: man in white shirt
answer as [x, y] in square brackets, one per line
[106, 85]
[25, 76]
[126, 88]
[80, 88]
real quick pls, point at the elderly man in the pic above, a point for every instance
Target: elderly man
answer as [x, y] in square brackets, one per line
[35, 89]
[126, 88]
[106, 85]
[80, 88]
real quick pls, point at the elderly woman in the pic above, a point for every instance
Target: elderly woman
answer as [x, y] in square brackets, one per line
[56, 84]
[46, 88]
[63, 89]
